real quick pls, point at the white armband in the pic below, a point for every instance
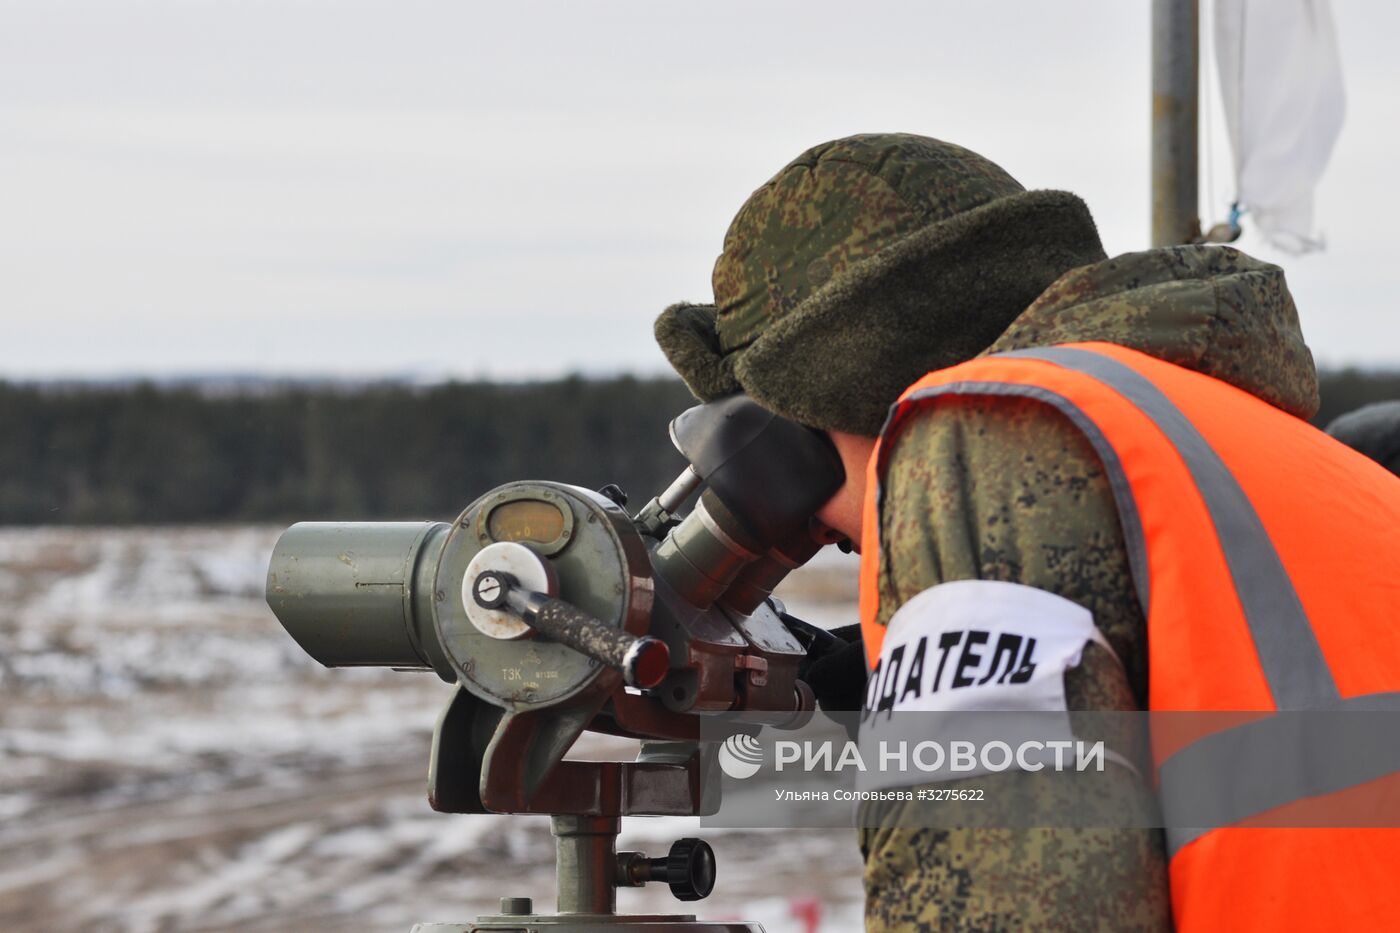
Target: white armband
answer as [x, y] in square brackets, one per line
[971, 647]
[983, 645]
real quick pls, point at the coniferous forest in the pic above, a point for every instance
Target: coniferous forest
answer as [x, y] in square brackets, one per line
[143, 454]
[147, 454]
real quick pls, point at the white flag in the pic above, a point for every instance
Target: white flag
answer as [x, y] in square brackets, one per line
[1281, 84]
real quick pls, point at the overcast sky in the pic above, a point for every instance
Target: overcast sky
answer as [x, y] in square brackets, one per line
[511, 189]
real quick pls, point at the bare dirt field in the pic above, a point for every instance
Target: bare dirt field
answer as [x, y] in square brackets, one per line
[170, 760]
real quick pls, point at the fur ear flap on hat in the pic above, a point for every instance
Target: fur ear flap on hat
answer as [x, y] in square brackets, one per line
[686, 333]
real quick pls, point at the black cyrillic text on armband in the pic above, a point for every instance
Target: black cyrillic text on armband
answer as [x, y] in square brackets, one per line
[1008, 646]
[946, 642]
[969, 657]
[891, 684]
[914, 680]
[1027, 666]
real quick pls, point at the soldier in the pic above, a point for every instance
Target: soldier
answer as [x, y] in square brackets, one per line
[885, 265]
[1374, 430]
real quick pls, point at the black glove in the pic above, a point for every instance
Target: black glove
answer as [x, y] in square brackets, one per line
[835, 663]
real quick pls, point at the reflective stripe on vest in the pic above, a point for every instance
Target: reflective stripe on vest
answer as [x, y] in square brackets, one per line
[1263, 555]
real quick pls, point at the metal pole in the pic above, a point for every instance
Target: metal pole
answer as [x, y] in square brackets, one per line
[586, 863]
[1175, 82]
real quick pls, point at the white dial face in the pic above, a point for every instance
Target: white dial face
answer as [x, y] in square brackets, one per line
[530, 572]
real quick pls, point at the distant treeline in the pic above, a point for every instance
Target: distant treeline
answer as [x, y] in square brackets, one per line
[149, 454]
[146, 454]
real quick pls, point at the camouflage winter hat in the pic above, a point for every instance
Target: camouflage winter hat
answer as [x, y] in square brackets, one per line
[865, 263]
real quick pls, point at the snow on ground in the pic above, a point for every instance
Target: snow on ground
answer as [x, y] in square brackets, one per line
[171, 760]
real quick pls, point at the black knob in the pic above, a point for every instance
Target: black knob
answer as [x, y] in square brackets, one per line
[491, 588]
[689, 868]
[614, 492]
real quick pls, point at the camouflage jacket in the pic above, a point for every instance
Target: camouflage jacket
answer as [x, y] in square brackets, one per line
[1008, 490]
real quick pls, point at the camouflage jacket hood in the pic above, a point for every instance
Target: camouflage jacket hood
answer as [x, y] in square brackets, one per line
[1208, 308]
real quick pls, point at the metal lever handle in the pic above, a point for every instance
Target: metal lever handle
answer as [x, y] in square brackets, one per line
[643, 661]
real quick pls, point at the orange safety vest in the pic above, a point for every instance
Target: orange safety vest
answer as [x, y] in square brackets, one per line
[1266, 557]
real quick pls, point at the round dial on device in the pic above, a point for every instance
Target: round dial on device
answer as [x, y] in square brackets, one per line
[530, 572]
[591, 556]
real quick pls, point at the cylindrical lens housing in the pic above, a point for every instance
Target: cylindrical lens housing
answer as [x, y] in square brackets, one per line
[359, 594]
[702, 555]
[756, 582]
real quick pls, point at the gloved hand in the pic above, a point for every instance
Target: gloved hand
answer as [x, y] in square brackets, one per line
[835, 663]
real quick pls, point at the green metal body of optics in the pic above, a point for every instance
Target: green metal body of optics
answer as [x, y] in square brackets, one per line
[554, 611]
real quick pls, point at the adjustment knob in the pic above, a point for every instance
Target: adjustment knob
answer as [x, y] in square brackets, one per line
[689, 869]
